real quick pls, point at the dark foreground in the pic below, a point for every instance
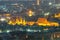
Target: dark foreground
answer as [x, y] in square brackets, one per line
[29, 33]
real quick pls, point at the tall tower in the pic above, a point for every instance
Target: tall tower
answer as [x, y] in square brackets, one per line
[38, 2]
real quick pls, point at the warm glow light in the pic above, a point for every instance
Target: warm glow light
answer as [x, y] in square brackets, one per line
[11, 23]
[40, 22]
[30, 23]
[54, 24]
[45, 22]
[46, 29]
[57, 15]
[30, 13]
[58, 36]
[18, 21]
[24, 22]
[7, 15]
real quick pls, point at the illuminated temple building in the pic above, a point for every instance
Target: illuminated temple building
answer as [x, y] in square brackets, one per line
[40, 22]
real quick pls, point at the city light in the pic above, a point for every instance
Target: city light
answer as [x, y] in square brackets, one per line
[40, 22]
[39, 30]
[50, 3]
[30, 23]
[57, 15]
[29, 30]
[58, 36]
[2, 19]
[0, 31]
[30, 13]
[8, 31]
[46, 14]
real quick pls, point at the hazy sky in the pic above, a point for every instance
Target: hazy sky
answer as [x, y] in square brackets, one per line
[17, 0]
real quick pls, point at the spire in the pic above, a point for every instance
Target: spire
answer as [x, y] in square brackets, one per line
[38, 2]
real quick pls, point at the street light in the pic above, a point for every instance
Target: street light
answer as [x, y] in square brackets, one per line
[30, 13]
[8, 31]
[28, 30]
[50, 3]
[46, 14]
[2, 19]
[0, 31]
